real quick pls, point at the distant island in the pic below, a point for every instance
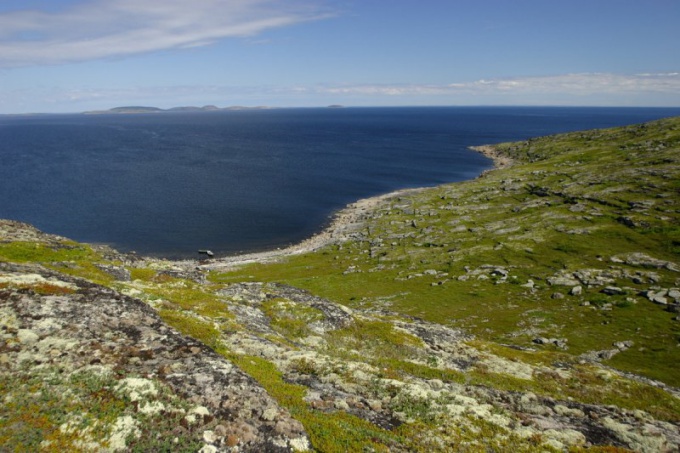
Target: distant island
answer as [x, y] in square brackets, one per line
[142, 109]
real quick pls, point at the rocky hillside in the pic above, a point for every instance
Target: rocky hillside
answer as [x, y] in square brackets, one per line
[532, 309]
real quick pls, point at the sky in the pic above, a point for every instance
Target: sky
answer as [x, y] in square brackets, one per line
[80, 55]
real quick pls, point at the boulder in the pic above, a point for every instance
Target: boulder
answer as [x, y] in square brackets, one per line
[562, 281]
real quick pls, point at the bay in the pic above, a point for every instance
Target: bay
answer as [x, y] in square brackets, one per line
[169, 184]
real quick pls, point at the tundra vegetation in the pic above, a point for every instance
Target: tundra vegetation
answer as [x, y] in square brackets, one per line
[535, 308]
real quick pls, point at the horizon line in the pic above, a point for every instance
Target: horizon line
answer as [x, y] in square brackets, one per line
[235, 108]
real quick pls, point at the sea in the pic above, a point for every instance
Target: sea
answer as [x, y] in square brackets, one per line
[241, 181]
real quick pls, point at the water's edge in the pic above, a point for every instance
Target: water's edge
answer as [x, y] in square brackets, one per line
[345, 221]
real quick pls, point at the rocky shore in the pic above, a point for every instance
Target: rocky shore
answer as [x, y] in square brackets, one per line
[344, 226]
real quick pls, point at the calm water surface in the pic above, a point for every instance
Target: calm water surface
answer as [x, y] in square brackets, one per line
[240, 181]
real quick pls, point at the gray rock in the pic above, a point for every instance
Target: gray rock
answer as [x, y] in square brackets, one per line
[109, 330]
[673, 308]
[576, 290]
[653, 277]
[562, 281]
[560, 343]
[658, 297]
[613, 291]
[674, 294]
[623, 345]
[117, 272]
[644, 260]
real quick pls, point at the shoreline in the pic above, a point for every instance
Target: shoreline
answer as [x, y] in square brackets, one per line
[500, 160]
[344, 223]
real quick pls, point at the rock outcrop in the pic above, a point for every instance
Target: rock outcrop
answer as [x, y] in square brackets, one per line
[53, 323]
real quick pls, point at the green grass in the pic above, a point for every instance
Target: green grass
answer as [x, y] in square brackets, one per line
[43, 253]
[329, 432]
[581, 168]
[67, 257]
[290, 319]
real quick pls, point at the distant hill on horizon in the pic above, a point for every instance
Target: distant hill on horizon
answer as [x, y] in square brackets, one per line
[143, 109]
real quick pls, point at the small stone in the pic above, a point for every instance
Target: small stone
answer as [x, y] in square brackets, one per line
[607, 354]
[612, 291]
[659, 300]
[576, 290]
[623, 345]
[653, 277]
[562, 281]
[499, 271]
[557, 296]
[561, 343]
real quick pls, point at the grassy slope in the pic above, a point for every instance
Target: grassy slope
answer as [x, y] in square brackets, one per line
[569, 203]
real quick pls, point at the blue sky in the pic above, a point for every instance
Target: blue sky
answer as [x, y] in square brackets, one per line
[77, 55]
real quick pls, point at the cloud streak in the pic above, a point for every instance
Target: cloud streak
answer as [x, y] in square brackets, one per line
[596, 89]
[584, 84]
[116, 28]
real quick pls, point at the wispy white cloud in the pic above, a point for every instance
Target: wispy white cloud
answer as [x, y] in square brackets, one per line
[585, 84]
[569, 89]
[113, 28]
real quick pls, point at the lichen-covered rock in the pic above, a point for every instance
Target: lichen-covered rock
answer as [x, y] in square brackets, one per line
[96, 326]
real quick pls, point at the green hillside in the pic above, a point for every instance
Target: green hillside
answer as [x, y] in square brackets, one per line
[577, 209]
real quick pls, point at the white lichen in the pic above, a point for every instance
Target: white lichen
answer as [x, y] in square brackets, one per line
[123, 427]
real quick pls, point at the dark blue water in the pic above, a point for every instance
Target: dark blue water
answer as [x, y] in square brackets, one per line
[240, 181]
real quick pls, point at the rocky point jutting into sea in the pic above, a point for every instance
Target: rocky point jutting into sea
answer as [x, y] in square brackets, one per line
[535, 308]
